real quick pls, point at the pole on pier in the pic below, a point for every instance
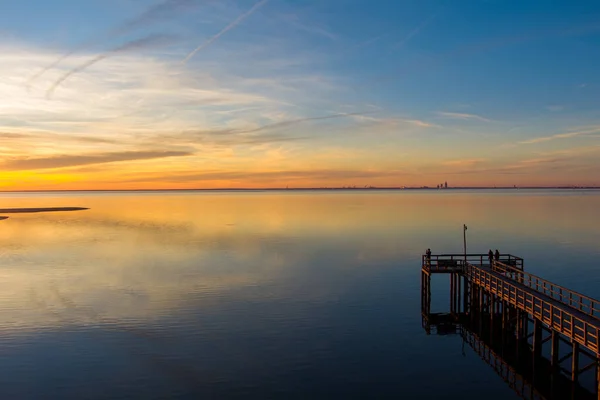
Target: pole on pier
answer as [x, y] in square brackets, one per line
[465, 242]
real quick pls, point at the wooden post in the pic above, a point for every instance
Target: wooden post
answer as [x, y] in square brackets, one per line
[575, 363]
[466, 306]
[452, 309]
[492, 308]
[480, 309]
[503, 315]
[458, 292]
[537, 338]
[598, 375]
[554, 351]
[518, 324]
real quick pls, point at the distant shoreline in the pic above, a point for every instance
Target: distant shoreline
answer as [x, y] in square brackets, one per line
[307, 189]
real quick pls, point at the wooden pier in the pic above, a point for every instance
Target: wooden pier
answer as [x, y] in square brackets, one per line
[499, 298]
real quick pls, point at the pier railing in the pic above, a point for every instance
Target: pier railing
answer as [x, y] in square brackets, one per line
[568, 323]
[581, 302]
[452, 262]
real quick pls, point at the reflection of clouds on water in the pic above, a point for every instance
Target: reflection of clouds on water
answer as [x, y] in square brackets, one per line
[134, 260]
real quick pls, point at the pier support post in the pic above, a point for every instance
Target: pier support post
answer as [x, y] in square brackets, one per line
[492, 308]
[554, 350]
[598, 375]
[480, 309]
[458, 293]
[537, 339]
[518, 324]
[575, 363]
[466, 305]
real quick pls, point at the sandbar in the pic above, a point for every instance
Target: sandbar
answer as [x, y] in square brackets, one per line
[39, 209]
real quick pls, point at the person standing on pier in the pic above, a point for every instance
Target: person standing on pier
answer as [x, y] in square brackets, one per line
[428, 256]
[497, 255]
[490, 256]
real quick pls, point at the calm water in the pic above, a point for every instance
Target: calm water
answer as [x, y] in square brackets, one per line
[262, 294]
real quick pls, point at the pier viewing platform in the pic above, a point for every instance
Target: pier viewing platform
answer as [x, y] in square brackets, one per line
[497, 296]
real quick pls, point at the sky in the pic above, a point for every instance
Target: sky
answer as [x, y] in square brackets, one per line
[140, 94]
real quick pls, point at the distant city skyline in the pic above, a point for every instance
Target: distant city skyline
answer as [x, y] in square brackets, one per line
[168, 94]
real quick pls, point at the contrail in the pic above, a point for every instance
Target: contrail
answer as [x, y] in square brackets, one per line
[418, 29]
[152, 13]
[148, 41]
[282, 124]
[229, 27]
[155, 12]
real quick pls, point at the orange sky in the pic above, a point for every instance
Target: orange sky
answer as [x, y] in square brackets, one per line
[310, 107]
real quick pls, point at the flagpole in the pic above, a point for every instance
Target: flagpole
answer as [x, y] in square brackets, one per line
[465, 242]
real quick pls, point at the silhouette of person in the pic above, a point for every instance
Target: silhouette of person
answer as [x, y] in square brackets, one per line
[497, 255]
[428, 255]
[490, 256]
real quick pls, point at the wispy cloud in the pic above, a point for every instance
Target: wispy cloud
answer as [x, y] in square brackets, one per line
[393, 121]
[462, 116]
[278, 178]
[468, 162]
[293, 20]
[153, 13]
[76, 160]
[561, 136]
[229, 27]
[555, 108]
[417, 29]
[287, 123]
[151, 41]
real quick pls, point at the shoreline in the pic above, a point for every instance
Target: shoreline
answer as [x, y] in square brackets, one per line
[324, 189]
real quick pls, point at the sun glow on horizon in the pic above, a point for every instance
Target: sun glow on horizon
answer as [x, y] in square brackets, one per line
[279, 96]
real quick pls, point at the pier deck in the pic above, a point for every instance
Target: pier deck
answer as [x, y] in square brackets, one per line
[501, 290]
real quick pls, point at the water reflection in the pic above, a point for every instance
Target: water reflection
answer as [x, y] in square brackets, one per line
[254, 294]
[529, 377]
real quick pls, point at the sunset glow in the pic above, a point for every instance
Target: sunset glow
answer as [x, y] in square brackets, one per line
[111, 95]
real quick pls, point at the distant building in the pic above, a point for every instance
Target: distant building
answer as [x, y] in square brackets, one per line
[446, 185]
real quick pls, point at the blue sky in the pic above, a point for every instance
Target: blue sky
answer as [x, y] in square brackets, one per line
[389, 92]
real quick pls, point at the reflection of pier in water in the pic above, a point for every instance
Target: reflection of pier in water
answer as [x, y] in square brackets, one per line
[503, 313]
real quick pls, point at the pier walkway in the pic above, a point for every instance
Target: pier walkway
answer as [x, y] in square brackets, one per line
[515, 300]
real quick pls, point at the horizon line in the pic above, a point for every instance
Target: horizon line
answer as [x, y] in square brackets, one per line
[564, 187]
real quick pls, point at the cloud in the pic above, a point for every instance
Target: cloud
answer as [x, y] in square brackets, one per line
[150, 41]
[282, 124]
[417, 29]
[462, 116]
[293, 20]
[229, 27]
[391, 121]
[153, 13]
[468, 163]
[277, 177]
[62, 161]
[258, 135]
[555, 108]
[561, 136]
